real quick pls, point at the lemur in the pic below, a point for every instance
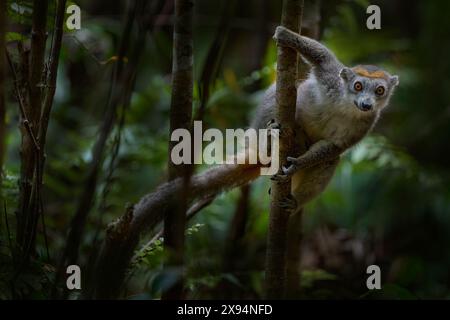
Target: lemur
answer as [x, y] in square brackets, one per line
[336, 107]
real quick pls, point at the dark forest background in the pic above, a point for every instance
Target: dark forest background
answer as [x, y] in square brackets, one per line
[388, 204]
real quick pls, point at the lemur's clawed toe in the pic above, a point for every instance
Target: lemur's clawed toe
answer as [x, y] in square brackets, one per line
[280, 178]
[289, 204]
[291, 168]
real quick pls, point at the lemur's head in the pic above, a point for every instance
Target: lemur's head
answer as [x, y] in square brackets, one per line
[369, 87]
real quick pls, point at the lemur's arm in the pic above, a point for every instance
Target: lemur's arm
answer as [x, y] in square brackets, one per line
[326, 65]
[320, 152]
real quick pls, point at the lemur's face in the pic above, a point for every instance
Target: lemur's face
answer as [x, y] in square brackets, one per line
[368, 87]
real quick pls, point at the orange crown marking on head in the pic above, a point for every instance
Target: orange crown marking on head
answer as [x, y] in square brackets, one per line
[365, 73]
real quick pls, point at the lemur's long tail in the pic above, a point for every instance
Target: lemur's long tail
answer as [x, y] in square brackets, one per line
[150, 209]
[123, 235]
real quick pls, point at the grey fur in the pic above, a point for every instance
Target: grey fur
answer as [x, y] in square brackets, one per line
[329, 110]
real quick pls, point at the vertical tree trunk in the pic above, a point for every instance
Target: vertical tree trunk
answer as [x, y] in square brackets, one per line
[180, 117]
[286, 97]
[2, 86]
[27, 214]
[51, 81]
[311, 28]
[237, 229]
[293, 272]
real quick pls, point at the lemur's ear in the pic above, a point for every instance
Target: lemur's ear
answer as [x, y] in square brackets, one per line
[347, 74]
[394, 81]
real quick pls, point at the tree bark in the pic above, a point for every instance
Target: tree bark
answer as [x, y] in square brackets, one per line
[51, 80]
[286, 97]
[180, 118]
[293, 259]
[27, 216]
[236, 230]
[2, 86]
[311, 29]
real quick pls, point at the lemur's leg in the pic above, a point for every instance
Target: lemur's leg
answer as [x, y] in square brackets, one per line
[320, 152]
[309, 183]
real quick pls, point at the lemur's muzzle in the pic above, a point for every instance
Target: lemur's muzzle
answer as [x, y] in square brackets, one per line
[363, 105]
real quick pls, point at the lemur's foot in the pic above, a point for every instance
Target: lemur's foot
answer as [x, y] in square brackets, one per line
[280, 178]
[287, 172]
[289, 204]
[292, 167]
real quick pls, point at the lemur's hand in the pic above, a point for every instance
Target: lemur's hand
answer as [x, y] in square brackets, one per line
[273, 125]
[283, 36]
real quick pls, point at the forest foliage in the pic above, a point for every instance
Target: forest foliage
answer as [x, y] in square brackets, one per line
[388, 204]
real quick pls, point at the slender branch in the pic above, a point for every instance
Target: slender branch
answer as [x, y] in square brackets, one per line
[85, 49]
[26, 246]
[193, 210]
[44, 117]
[182, 76]
[52, 76]
[38, 39]
[180, 117]
[2, 86]
[123, 236]
[293, 272]
[286, 97]
[236, 230]
[28, 211]
[295, 231]
[21, 100]
[8, 231]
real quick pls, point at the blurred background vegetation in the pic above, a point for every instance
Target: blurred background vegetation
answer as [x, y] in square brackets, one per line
[388, 204]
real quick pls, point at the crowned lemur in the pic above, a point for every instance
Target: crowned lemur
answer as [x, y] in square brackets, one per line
[336, 107]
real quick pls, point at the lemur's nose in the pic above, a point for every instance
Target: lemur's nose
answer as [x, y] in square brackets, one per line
[366, 106]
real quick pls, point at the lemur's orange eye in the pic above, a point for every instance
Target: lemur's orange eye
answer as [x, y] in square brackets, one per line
[358, 86]
[380, 90]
